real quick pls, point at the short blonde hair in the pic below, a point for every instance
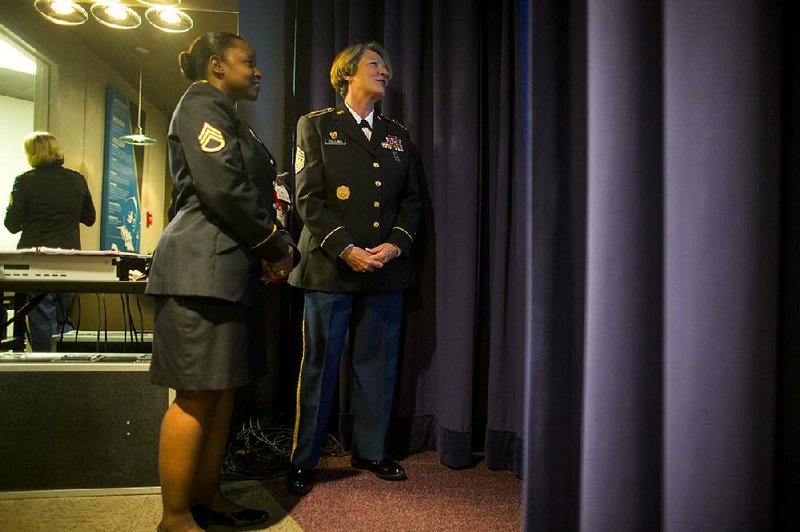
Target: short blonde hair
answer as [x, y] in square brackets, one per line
[42, 149]
[346, 64]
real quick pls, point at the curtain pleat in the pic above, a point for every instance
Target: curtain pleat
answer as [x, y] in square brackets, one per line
[621, 454]
[689, 355]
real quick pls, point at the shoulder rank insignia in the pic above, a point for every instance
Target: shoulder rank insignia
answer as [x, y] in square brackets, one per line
[299, 160]
[312, 114]
[211, 139]
[393, 121]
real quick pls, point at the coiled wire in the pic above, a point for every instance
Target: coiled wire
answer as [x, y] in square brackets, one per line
[260, 453]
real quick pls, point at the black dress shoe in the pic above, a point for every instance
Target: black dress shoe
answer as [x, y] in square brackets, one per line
[298, 481]
[247, 518]
[385, 468]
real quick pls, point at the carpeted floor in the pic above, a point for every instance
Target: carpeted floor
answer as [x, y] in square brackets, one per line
[433, 498]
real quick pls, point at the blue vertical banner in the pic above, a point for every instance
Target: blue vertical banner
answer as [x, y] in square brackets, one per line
[120, 228]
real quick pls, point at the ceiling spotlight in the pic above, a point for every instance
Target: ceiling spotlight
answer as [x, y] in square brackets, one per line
[169, 19]
[160, 3]
[64, 12]
[116, 15]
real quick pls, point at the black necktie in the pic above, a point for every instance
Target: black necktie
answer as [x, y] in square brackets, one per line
[366, 128]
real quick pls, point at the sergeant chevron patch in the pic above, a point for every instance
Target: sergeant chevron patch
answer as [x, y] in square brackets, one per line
[211, 139]
[299, 160]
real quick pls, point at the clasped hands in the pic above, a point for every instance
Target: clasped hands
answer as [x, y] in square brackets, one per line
[275, 272]
[370, 259]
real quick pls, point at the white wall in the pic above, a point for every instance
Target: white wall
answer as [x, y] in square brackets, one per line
[16, 121]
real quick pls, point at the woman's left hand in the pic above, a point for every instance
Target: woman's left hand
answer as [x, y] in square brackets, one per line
[275, 272]
[384, 252]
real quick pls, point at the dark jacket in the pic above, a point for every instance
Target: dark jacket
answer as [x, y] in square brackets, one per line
[224, 221]
[47, 204]
[350, 190]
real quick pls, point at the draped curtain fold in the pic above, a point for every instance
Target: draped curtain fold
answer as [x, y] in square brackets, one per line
[611, 222]
[665, 142]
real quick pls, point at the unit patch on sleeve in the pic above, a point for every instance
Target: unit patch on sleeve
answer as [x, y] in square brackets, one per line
[299, 160]
[211, 139]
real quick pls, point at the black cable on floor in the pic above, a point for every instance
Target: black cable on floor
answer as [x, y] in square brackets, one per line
[259, 453]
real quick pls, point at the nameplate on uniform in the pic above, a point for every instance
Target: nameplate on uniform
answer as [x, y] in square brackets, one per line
[391, 142]
[334, 139]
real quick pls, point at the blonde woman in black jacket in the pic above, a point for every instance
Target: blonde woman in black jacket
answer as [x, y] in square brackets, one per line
[48, 203]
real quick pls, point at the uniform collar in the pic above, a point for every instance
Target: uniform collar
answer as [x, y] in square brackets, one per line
[370, 117]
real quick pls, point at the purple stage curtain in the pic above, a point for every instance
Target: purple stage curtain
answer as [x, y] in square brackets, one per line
[613, 216]
[663, 375]
[461, 378]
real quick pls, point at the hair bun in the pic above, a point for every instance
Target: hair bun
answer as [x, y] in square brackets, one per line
[187, 66]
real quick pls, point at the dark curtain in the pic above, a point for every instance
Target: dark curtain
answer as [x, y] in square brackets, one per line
[555, 85]
[461, 377]
[662, 376]
[612, 204]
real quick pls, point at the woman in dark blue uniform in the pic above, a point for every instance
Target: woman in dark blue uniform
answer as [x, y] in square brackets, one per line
[206, 278]
[357, 186]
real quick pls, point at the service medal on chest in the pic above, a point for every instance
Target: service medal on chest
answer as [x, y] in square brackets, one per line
[391, 142]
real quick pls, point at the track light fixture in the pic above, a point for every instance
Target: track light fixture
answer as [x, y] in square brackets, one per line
[116, 15]
[113, 13]
[63, 12]
[169, 19]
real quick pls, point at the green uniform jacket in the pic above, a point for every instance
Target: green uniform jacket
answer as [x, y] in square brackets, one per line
[350, 190]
